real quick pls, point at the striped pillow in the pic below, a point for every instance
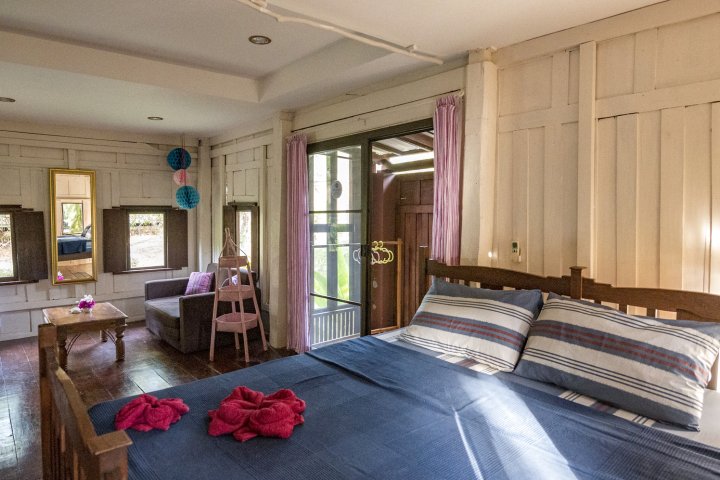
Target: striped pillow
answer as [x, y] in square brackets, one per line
[637, 364]
[487, 330]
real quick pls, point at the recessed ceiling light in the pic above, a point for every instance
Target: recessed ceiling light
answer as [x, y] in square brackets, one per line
[259, 39]
[155, 118]
[7, 99]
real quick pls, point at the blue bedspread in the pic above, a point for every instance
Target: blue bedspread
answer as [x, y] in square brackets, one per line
[68, 245]
[376, 410]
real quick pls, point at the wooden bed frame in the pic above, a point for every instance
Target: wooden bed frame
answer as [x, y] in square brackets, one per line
[71, 448]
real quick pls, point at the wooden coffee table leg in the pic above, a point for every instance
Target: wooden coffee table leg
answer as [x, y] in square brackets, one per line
[62, 348]
[103, 336]
[119, 343]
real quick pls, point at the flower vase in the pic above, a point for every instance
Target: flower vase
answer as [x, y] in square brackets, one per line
[87, 310]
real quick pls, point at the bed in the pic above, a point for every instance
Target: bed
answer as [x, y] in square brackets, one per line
[379, 409]
[72, 247]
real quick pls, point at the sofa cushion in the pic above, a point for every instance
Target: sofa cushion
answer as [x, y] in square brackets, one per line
[169, 307]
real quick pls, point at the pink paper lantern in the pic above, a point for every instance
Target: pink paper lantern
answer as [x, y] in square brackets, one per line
[180, 176]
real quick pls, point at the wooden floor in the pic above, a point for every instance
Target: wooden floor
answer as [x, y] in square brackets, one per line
[149, 365]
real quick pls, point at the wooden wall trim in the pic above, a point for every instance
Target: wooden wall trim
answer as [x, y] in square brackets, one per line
[587, 124]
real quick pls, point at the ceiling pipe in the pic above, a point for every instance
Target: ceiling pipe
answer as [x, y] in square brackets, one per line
[410, 51]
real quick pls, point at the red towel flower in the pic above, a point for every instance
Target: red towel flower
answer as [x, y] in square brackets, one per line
[246, 414]
[146, 413]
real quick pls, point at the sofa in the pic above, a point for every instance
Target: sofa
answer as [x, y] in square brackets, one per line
[185, 321]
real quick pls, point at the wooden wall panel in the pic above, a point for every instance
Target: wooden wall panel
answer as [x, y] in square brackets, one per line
[615, 66]
[503, 201]
[688, 52]
[628, 162]
[648, 200]
[672, 196]
[696, 214]
[534, 248]
[569, 192]
[605, 201]
[145, 179]
[414, 226]
[552, 202]
[626, 200]
[520, 185]
[715, 201]
[525, 87]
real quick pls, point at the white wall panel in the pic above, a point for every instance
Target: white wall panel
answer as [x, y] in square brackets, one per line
[605, 201]
[648, 200]
[525, 87]
[688, 52]
[124, 176]
[615, 66]
[654, 186]
[696, 215]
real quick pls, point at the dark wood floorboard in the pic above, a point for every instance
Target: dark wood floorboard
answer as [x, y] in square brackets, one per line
[149, 365]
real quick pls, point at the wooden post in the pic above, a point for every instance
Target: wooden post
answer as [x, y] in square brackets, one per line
[47, 336]
[423, 254]
[399, 283]
[576, 282]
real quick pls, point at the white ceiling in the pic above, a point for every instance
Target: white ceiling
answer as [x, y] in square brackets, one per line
[110, 64]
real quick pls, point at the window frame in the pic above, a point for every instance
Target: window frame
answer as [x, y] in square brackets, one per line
[255, 242]
[4, 210]
[147, 210]
[116, 238]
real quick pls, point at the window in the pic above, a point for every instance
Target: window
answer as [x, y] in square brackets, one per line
[23, 250]
[136, 238]
[72, 218]
[243, 220]
[147, 240]
[7, 257]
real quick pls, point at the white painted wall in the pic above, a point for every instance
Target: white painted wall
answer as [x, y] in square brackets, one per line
[130, 170]
[608, 149]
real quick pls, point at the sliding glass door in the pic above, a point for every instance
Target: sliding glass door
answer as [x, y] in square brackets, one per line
[336, 235]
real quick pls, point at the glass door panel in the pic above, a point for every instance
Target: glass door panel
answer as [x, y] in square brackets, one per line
[336, 268]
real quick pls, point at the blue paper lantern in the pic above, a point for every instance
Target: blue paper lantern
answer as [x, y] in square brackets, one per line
[179, 158]
[187, 197]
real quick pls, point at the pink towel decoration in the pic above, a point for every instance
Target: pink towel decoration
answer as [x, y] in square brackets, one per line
[246, 414]
[146, 413]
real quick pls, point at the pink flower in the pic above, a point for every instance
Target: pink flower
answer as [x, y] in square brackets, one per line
[86, 302]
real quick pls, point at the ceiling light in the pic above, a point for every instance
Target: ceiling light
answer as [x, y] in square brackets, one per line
[417, 170]
[155, 118]
[7, 99]
[412, 157]
[259, 39]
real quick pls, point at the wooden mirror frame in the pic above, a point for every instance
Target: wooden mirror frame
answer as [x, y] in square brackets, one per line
[54, 172]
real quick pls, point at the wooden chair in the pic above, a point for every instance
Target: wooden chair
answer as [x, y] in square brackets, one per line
[230, 268]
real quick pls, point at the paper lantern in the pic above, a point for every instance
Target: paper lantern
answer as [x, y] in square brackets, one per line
[179, 158]
[180, 177]
[187, 197]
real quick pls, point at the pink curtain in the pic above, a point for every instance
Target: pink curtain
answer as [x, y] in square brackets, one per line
[298, 244]
[446, 209]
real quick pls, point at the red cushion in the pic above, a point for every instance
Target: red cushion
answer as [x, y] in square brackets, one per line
[199, 282]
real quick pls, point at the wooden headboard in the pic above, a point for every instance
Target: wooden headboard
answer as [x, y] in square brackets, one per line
[684, 304]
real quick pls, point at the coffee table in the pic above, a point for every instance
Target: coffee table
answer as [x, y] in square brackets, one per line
[104, 317]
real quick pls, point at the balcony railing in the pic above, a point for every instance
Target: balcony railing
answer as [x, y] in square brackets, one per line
[335, 325]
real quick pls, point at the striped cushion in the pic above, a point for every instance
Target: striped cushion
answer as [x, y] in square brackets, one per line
[636, 364]
[488, 331]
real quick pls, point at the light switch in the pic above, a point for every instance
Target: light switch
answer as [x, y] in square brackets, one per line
[515, 252]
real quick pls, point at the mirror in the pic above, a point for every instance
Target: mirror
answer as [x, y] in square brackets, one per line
[72, 217]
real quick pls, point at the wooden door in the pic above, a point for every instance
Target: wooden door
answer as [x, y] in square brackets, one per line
[414, 225]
